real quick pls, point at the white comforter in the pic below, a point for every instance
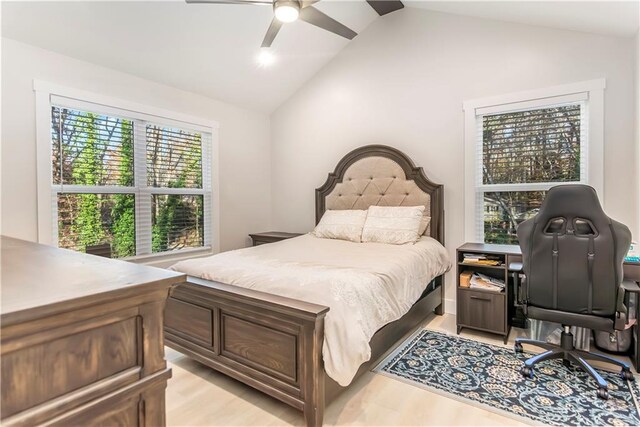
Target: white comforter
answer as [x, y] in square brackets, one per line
[366, 285]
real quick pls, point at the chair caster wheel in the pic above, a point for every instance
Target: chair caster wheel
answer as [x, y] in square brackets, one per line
[603, 393]
[517, 347]
[527, 372]
[626, 374]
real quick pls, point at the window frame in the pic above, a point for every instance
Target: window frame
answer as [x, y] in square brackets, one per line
[590, 93]
[49, 95]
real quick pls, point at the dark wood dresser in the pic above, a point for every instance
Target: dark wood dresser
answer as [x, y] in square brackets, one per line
[81, 338]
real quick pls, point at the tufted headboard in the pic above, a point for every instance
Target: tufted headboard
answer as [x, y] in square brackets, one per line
[382, 176]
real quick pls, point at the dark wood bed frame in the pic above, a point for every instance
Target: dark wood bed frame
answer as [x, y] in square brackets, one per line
[273, 343]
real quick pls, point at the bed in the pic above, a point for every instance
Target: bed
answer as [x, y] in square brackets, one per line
[243, 325]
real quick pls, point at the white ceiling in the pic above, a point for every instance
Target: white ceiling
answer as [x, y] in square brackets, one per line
[212, 49]
[209, 49]
[616, 18]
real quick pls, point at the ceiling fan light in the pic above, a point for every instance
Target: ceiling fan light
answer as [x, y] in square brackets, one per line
[286, 11]
[266, 58]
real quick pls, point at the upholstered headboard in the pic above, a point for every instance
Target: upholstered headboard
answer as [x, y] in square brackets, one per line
[378, 175]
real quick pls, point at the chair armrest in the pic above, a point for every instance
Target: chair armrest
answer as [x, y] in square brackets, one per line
[519, 282]
[630, 286]
[515, 267]
[621, 310]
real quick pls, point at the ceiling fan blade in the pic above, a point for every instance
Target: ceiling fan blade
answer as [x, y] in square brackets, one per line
[271, 33]
[314, 17]
[385, 6]
[255, 2]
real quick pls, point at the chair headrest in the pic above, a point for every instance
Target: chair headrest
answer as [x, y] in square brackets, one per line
[572, 201]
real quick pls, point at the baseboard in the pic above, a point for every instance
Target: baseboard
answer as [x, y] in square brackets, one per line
[450, 306]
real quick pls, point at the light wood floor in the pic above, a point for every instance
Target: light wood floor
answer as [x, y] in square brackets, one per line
[199, 396]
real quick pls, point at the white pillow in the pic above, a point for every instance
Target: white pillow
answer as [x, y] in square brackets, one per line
[424, 224]
[394, 225]
[341, 224]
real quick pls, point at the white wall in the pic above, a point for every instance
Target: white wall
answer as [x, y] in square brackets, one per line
[402, 82]
[636, 72]
[244, 153]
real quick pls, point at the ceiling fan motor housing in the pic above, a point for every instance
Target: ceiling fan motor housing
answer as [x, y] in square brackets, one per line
[290, 10]
[286, 10]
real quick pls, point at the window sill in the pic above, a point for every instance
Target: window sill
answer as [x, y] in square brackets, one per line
[165, 259]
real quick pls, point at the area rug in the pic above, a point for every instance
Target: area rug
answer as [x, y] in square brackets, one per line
[489, 376]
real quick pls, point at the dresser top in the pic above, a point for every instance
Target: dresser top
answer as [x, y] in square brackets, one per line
[38, 280]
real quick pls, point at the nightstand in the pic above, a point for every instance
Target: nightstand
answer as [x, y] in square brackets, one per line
[482, 309]
[271, 236]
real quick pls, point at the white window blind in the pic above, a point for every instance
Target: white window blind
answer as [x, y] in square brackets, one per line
[522, 150]
[137, 182]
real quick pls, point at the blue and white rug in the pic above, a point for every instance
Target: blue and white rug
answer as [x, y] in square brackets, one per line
[490, 376]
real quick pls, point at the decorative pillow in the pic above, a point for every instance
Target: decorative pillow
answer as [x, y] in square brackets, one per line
[394, 225]
[341, 224]
[424, 224]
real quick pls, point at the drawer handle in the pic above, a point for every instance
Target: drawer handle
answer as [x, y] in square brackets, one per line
[480, 298]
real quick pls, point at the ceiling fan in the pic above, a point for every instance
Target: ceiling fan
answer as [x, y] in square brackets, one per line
[289, 10]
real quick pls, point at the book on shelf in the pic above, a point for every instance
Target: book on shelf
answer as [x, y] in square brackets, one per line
[482, 281]
[481, 259]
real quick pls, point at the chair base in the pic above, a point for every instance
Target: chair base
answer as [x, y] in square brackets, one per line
[569, 354]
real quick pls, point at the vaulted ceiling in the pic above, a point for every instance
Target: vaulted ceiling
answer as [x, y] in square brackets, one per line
[211, 49]
[614, 18]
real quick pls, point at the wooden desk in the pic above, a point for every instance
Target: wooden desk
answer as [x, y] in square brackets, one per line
[632, 273]
[480, 309]
[81, 338]
[513, 255]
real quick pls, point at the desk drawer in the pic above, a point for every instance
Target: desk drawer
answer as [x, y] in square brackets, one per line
[482, 310]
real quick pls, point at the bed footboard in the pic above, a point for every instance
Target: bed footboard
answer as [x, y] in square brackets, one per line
[271, 343]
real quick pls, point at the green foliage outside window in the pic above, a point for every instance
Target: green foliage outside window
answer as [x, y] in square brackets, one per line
[89, 150]
[174, 160]
[123, 211]
[96, 150]
[178, 222]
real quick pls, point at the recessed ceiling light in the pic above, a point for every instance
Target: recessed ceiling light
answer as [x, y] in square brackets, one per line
[266, 57]
[286, 11]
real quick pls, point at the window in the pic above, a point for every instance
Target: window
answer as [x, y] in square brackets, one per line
[138, 182]
[521, 148]
[528, 150]
[174, 163]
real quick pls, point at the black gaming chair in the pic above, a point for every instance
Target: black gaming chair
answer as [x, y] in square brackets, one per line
[572, 255]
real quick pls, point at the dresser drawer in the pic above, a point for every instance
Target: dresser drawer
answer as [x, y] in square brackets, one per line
[481, 310]
[51, 368]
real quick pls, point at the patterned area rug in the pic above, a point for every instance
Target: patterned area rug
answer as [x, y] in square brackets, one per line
[489, 375]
